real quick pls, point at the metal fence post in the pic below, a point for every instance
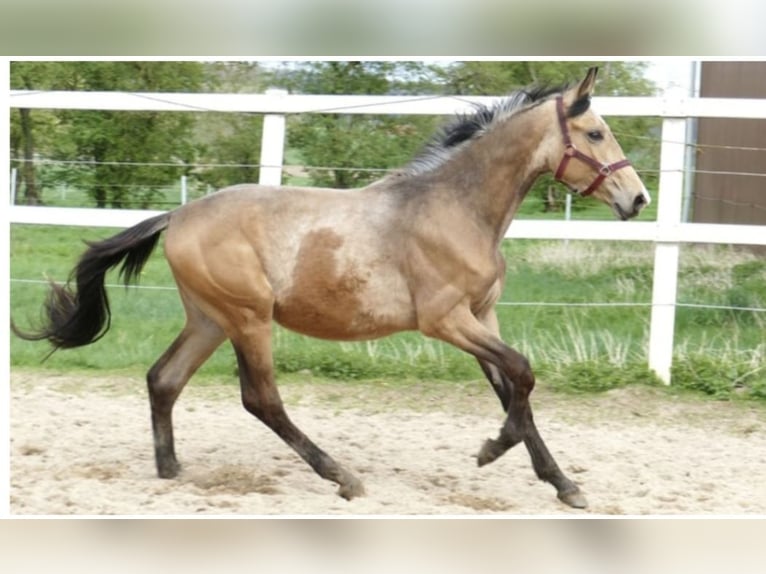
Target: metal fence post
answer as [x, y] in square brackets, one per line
[272, 145]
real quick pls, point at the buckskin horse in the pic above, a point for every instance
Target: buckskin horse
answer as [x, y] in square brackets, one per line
[415, 250]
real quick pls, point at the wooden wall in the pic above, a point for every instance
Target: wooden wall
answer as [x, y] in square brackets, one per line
[731, 198]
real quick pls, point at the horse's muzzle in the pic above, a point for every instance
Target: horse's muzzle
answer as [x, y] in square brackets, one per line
[639, 202]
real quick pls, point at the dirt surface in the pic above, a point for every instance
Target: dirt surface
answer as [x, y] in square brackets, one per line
[82, 445]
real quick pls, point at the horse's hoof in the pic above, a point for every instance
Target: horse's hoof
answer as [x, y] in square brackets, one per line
[168, 469]
[489, 452]
[352, 488]
[573, 498]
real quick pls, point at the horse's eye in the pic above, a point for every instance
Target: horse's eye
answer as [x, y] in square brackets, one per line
[595, 135]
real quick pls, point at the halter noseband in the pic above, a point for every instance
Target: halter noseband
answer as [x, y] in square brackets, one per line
[604, 169]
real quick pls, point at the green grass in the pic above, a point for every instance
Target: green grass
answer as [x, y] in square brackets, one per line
[719, 353]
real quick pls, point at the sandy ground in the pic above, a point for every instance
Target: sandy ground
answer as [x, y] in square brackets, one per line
[82, 445]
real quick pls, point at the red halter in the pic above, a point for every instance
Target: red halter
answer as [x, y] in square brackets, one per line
[604, 169]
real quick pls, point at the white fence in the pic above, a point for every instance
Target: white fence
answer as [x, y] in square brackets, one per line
[667, 233]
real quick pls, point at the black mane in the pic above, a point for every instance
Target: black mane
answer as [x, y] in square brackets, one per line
[471, 126]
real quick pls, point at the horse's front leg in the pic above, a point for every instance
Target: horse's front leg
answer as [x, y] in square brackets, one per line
[502, 386]
[511, 376]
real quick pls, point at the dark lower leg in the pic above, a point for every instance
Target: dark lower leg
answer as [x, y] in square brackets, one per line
[261, 398]
[546, 468]
[511, 376]
[520, 425]
[162, 397]
[322, 463]
[542, 461]
[164, 449]
[511, 434]
[501, 385]
[165, 381]
[512, 384]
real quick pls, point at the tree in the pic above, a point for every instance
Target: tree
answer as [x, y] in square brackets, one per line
[231, 139]
[29, 130]
[117, 147]
[350, 150]
[133, 153]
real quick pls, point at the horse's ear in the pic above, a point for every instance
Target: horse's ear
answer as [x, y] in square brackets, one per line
[585, 89]
[581, 101]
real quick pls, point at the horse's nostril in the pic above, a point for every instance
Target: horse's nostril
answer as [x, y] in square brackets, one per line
[639, 201]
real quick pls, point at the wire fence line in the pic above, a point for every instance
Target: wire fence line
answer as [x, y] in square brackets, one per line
[84, 162]
[591, 304]
[366, 106]
[173, 186]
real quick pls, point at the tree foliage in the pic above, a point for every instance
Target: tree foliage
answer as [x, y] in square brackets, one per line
[230, 142]
[30, 130]
[133, 153]
[349, 150]
[122, 158]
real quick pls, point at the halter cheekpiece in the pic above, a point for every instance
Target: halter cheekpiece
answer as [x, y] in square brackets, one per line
[604, 170]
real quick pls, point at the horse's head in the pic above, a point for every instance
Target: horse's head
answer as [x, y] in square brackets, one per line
[587, 157]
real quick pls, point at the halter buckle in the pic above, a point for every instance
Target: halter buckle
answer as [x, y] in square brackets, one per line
[606, 170]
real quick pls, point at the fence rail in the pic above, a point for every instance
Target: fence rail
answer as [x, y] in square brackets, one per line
[520, 229]
[667, 233]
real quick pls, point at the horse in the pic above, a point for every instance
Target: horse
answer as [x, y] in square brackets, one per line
[418, 249]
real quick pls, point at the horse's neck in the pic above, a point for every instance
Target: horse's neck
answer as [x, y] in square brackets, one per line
[494, 173]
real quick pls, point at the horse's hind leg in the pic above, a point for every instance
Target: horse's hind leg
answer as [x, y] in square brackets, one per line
[261, 398]
[167, 378]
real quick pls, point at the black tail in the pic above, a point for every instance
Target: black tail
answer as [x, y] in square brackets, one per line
[82, 316]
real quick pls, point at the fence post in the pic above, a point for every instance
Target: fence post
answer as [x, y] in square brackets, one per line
[272, 145]
[665, 278]
[568, 212]
[184, 192]
[13, 186]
